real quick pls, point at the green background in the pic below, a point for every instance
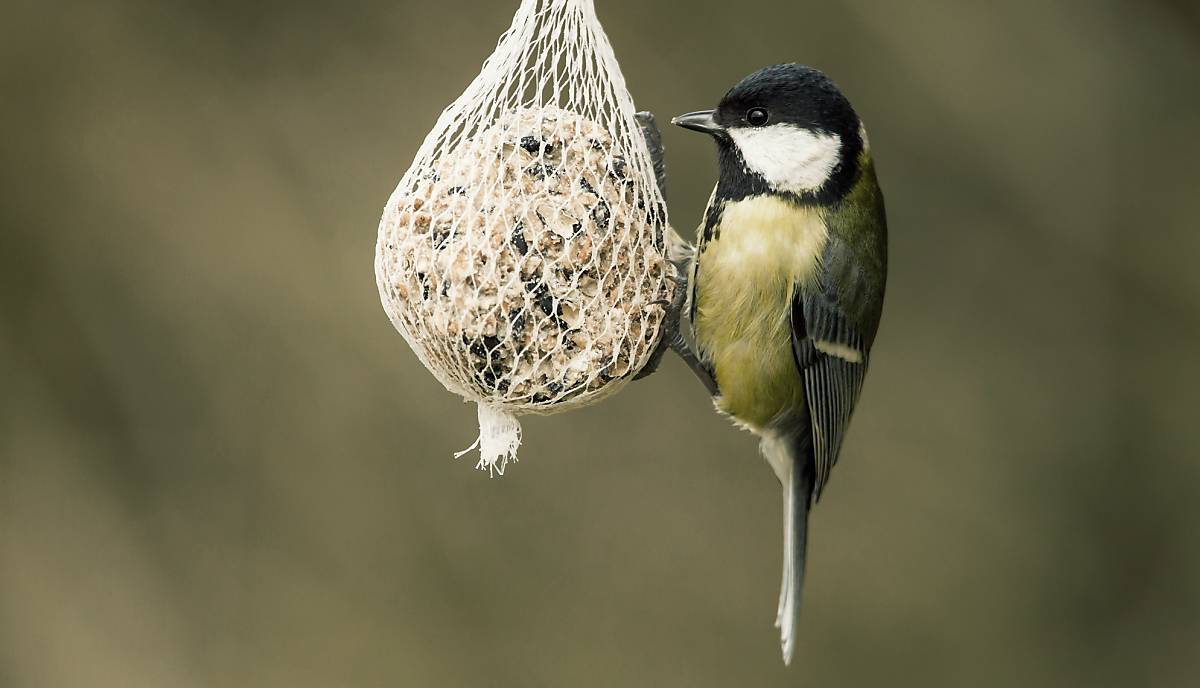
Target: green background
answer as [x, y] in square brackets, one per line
[220, 466]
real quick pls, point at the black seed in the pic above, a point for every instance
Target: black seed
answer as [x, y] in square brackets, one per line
[516, 321]
[477, 349]
[533, 144]
[576, 228]
[541, 398]
[445, 288]
[595, 144]
[495, 367]
[541, 296]
[617, 168]
[457, 190]
[585, 185]
[491, 343]
[553, 387]
[606, 372]
[423, 280]
[488, 378]
[518, 238]
[540, 172]
[440, 236]
[539, 216]
[601, 214]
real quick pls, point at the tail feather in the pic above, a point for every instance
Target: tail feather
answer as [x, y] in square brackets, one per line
[798, 484]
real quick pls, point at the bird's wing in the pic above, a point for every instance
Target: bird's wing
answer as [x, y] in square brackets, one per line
[831, 356]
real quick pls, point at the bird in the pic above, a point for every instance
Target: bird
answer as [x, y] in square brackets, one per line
[785, 284]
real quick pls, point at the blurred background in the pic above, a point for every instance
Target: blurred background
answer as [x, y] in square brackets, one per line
[220, 466]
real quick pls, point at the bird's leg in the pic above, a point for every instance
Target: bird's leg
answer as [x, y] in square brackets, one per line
[679, 255]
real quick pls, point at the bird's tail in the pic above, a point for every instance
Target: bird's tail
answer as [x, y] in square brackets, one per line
[794, 467]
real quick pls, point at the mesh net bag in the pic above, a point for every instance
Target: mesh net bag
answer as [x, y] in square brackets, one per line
[522, 254]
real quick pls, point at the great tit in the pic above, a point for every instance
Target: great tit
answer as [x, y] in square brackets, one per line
[786, 283]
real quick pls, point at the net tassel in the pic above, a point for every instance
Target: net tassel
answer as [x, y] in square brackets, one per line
[499, 437]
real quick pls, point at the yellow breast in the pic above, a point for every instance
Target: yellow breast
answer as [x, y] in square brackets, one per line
[748, 271]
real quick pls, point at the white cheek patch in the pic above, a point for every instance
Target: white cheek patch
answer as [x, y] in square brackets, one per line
[789, 157]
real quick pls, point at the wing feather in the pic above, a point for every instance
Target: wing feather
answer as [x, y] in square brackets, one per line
[832, 381]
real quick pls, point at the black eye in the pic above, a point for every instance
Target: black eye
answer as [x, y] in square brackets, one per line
[757, 116]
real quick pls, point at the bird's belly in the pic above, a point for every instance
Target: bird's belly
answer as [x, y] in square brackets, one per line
[765, 250]
[757, 378]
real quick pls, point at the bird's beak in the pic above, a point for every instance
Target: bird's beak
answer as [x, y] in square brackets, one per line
[702, 121]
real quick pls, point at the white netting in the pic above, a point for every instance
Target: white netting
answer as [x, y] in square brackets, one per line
[522, 255]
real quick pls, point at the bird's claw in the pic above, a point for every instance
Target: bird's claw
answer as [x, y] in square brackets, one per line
[654, 144]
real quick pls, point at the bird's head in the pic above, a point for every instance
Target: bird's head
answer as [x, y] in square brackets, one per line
[785, 129]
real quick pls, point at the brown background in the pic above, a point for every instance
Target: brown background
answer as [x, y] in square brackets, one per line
[220, 466]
